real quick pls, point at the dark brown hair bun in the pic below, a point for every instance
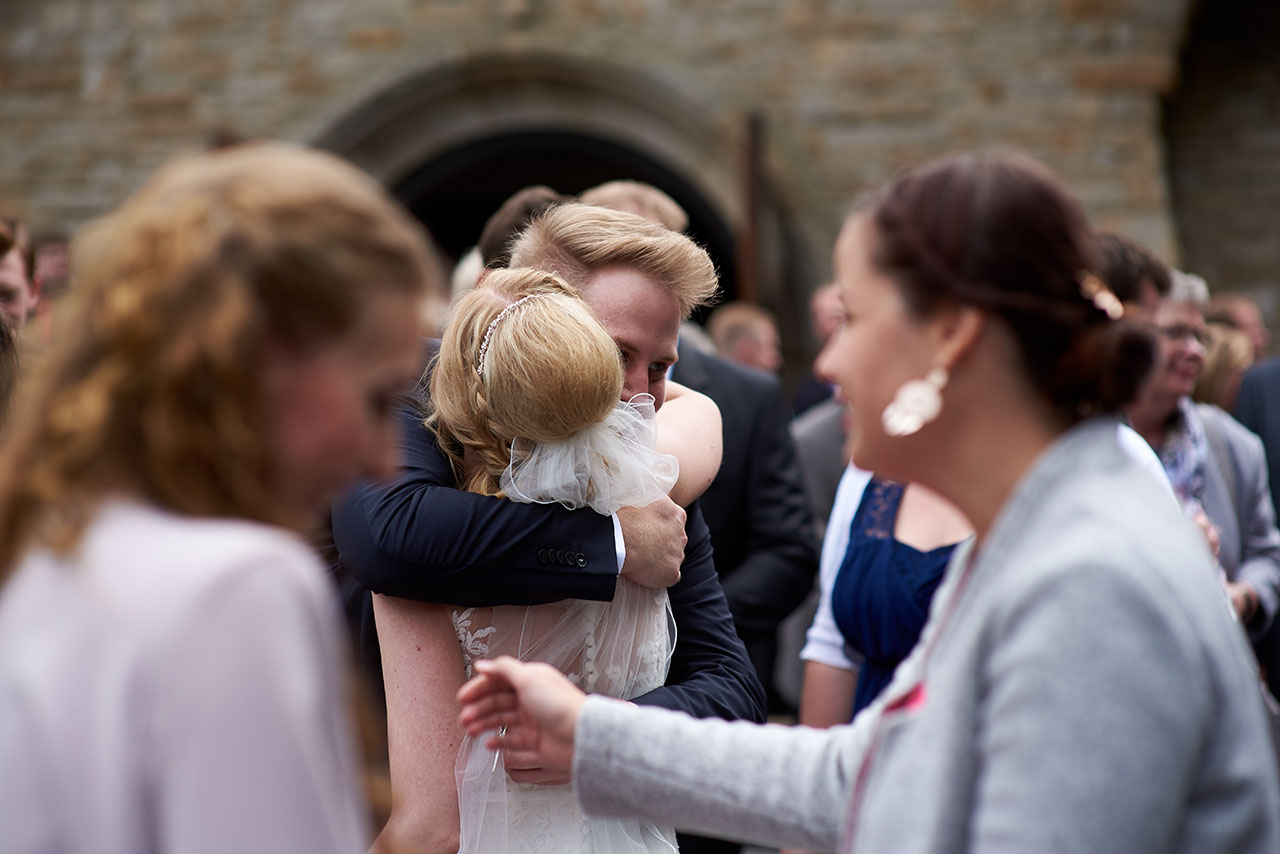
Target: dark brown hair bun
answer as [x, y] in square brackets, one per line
[999, 231]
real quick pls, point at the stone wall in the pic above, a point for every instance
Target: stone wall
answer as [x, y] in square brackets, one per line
[95, 93]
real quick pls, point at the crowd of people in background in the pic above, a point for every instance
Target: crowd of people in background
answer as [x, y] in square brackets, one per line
[1023, 503]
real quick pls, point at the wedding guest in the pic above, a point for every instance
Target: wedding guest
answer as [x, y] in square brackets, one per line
[1216, 466]
[19, 288]
[746, 334]
[880, 568]
[825, 316]
[171, 672]
[501, 229]
[1241, 312]
[643, 200]
[1080, 685]
[1226, 360]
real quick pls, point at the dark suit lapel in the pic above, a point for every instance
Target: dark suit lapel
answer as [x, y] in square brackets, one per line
[691, 370]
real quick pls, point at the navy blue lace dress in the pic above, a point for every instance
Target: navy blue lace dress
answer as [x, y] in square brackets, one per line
[882, 591]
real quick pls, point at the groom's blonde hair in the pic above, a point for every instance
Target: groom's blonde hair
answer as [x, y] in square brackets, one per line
[549, 370]
[576, 241]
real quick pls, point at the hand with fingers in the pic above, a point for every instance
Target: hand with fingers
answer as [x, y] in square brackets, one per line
[537, 706]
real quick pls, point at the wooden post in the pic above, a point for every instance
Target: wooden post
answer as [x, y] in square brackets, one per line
[752, 191]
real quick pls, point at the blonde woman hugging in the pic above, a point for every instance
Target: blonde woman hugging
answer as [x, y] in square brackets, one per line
[525, 398]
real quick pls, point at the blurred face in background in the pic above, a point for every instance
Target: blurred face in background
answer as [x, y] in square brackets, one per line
[1183, 339]
[18, 293]
[330, 413]
[825, 313]
[760, 347]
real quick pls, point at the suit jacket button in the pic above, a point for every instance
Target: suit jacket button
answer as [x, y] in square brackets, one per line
[542, 555]
[582, 559]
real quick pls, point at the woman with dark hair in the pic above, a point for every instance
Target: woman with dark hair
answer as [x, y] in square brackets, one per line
[1080, 685]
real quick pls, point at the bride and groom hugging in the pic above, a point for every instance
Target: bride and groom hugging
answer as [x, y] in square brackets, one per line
[524, 403]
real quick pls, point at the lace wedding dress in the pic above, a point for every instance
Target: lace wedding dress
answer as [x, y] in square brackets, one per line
[620, 648]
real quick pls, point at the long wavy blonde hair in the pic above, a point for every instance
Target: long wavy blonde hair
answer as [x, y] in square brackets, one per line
[152, 389]
[549, 370]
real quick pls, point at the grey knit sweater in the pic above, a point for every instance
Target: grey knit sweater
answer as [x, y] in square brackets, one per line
[1080, 687]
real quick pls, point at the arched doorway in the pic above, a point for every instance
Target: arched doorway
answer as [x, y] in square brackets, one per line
[1222, 131]
[454, 193]
[456, 139]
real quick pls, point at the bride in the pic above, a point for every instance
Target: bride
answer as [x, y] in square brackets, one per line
[524, 398]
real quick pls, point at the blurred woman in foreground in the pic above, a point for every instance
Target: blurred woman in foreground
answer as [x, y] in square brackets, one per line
[170, 667]
[1080, 684]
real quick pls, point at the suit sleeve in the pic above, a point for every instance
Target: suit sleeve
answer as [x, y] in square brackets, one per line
[772, 785]
[781, 556]
[419, 537]
[1259, 538]
[711, 675]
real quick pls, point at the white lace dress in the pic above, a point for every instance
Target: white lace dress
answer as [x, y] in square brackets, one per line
[620, 648]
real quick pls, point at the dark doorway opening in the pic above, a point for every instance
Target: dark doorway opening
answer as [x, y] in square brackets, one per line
[1222, 132]
[455, 193]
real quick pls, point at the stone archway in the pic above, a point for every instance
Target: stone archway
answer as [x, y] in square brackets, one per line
[454, 140]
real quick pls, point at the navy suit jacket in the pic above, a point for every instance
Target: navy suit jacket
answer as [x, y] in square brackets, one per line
[1258, 408]
[419, 537]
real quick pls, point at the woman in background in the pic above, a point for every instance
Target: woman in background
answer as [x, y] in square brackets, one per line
[170, 662]
[1217, 467]
[882, 560]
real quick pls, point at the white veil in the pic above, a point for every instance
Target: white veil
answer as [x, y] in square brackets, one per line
[606, 466]
[620, 648]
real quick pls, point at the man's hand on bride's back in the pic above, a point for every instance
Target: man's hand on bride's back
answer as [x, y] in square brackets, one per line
[654, 538]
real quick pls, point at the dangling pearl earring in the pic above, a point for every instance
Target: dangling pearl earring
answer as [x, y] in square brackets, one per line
[916, 404]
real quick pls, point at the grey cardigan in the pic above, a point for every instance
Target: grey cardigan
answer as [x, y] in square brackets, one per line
[1080, 686]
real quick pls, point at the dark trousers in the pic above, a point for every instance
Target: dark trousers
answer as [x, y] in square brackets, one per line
[702, 845]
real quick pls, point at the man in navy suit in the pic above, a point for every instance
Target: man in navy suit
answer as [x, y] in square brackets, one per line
[419, 537]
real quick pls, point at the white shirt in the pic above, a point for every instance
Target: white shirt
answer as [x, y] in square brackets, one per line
[175, 685]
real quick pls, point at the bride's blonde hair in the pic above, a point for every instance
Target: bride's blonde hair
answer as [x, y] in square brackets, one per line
[549, 369]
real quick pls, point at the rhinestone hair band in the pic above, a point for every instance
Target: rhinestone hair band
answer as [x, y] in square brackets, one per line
[488, 333]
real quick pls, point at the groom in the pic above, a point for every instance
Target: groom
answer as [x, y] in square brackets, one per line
[419, 537]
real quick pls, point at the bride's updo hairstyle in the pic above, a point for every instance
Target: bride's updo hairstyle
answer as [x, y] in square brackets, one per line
[522, 357]
[1000, 232]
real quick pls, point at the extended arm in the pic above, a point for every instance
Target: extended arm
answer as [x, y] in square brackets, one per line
[689, 428]
[827, 697]
[423, 669]
[769, 784]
